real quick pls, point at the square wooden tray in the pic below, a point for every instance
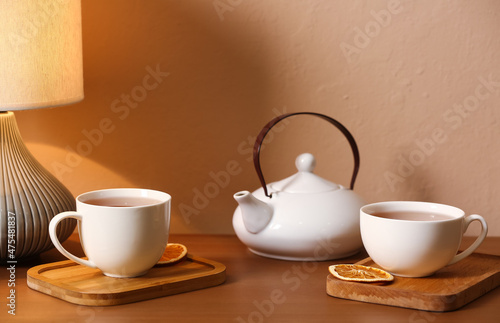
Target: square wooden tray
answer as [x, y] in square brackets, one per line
[82, 285]
[449, 289]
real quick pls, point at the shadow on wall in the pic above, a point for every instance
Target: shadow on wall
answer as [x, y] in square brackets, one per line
[170, 91]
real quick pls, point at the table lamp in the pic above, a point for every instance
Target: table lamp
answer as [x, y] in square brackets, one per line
[40, 67]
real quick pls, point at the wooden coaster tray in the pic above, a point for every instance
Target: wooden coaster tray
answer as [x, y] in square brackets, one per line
[449, 289]
[82, 285]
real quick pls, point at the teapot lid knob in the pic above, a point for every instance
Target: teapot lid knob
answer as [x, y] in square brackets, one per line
[305, 162]
[304, 181]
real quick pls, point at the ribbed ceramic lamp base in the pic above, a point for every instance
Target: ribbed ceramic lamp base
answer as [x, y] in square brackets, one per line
[30, 197]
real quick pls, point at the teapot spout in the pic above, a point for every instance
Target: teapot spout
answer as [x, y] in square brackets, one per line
[255, 213]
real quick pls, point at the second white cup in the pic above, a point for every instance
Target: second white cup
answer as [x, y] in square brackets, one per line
[123, 232]
[416, 239]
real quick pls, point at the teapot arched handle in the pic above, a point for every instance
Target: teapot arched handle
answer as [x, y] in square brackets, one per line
[270, 124]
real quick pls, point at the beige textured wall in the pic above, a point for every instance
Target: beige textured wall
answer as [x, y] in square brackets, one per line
[176, 91]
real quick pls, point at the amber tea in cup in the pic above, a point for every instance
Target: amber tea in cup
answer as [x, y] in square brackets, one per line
[122, 201]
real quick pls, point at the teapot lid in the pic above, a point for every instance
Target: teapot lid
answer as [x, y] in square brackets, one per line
[305, 181]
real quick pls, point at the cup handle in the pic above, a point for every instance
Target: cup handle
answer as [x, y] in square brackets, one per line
[479, 240]
[53, 236]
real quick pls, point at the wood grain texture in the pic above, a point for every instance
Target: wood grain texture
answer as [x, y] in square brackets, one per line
[449, 289]
[82, 285]
[255, 287]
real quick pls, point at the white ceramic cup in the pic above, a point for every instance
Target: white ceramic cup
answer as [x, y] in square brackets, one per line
[414, 248]
[121, 241]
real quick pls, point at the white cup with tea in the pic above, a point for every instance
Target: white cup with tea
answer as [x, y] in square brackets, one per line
[123, 232]
[416, 239]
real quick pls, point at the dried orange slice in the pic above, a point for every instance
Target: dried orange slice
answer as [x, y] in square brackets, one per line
[360, 273]
[174, 252]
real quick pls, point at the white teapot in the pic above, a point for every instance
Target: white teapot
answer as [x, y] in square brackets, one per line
[303, 217]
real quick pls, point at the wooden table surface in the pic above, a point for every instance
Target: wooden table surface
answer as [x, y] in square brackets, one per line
[257, 289]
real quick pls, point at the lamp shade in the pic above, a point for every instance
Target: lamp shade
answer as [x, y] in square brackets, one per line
[40, 53]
